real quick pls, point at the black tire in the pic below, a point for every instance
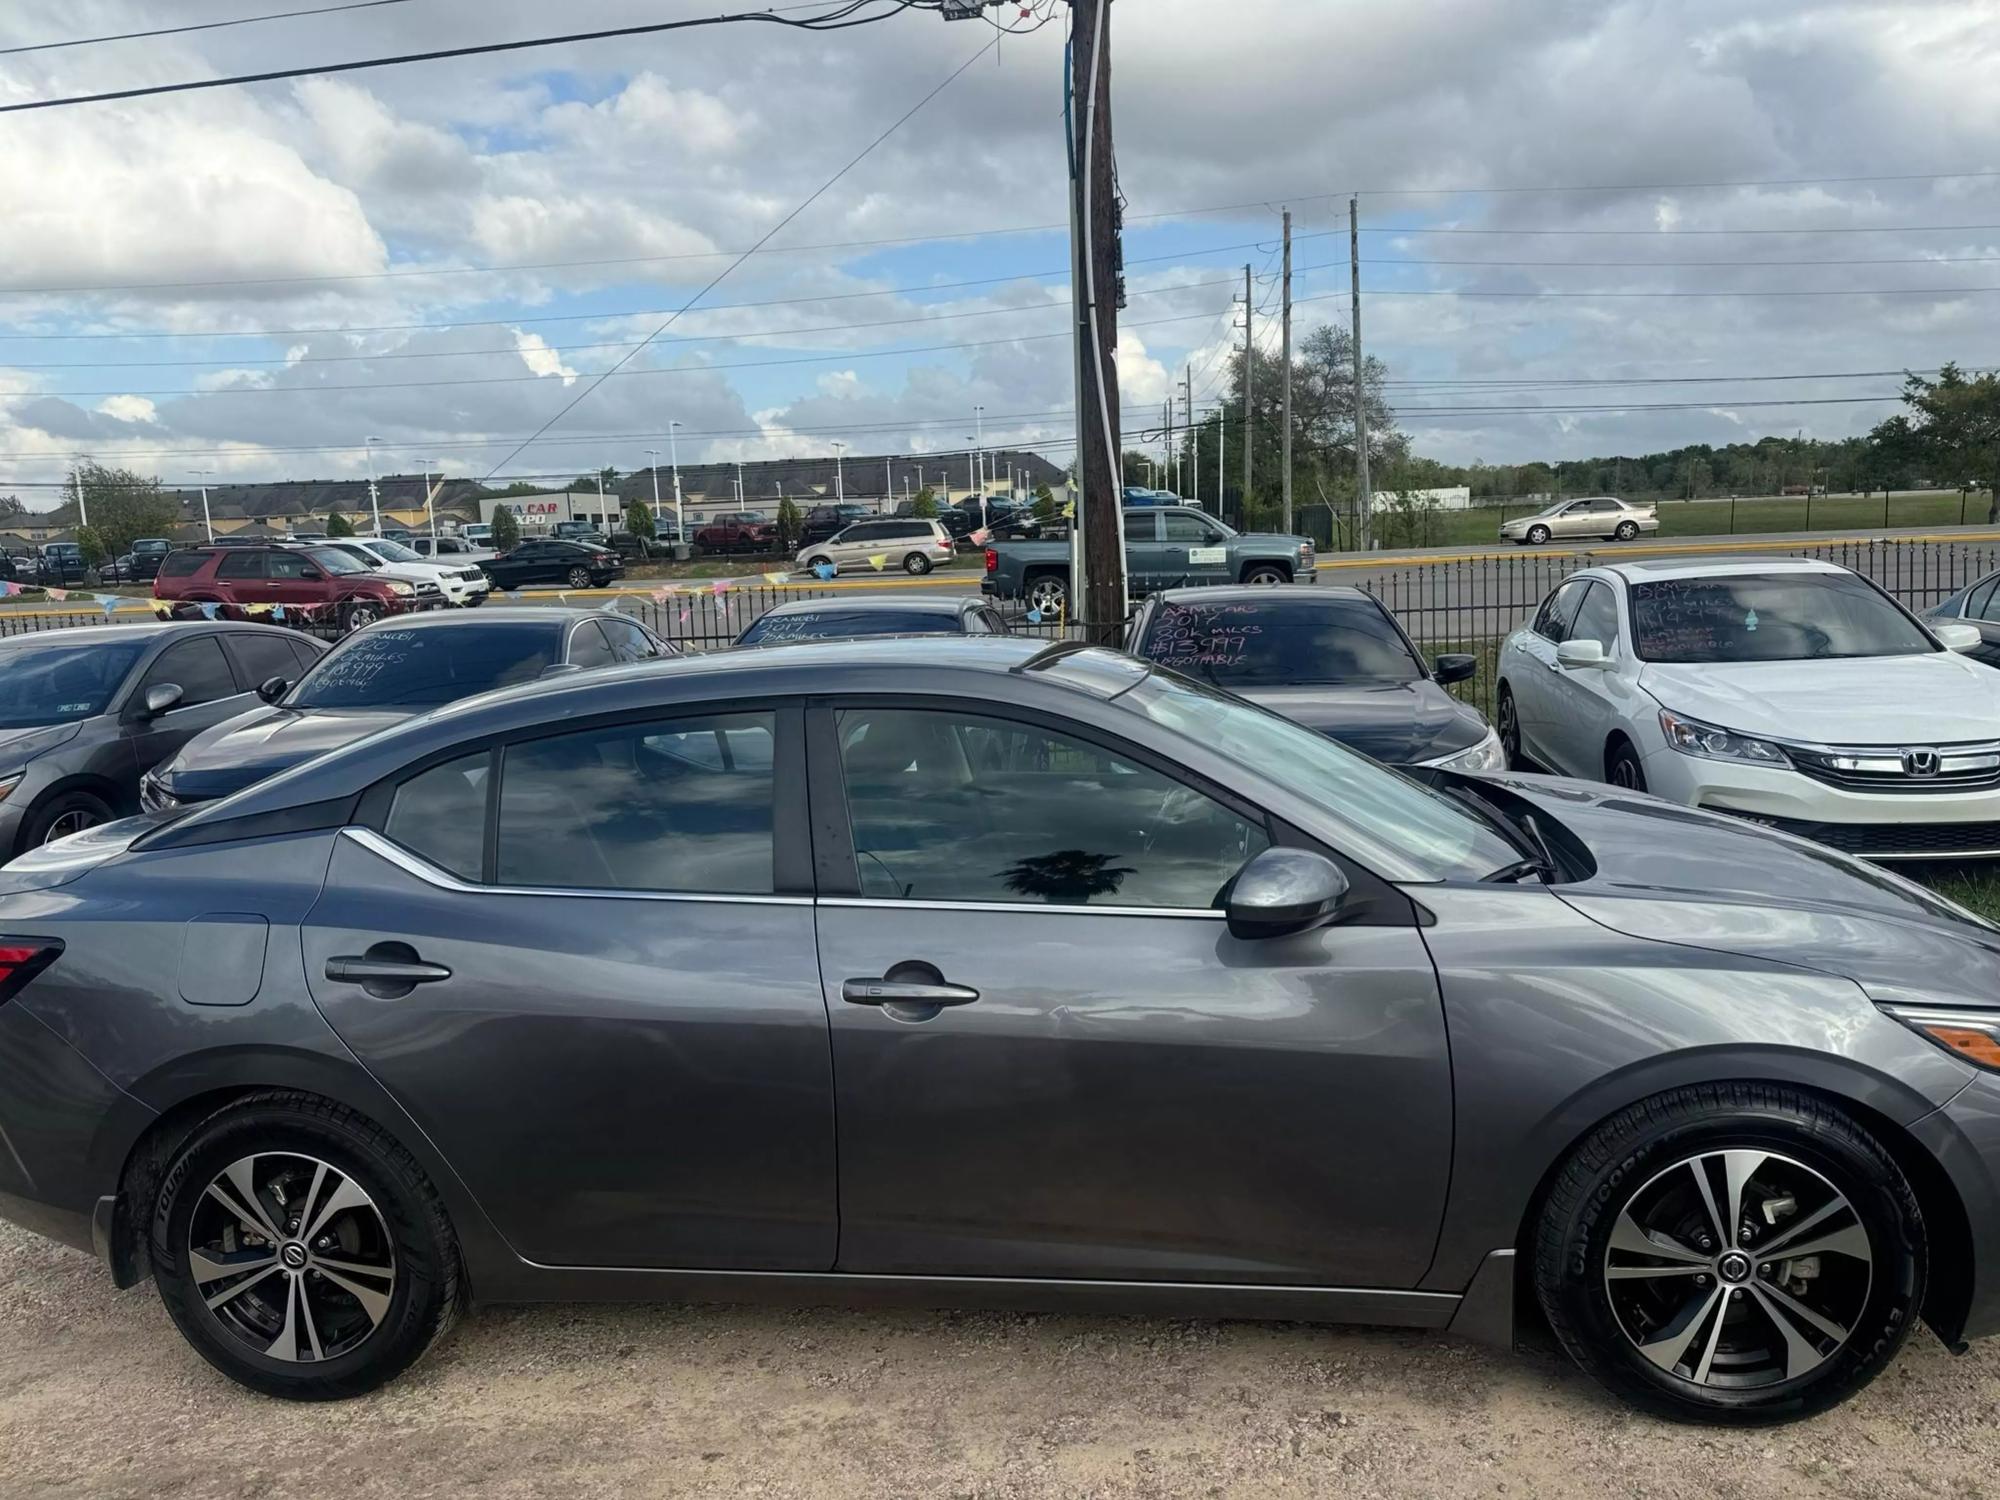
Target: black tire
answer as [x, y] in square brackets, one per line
[356, 614]
[578, 577]
[1629, 1172]
[1048, 591]
[1623, 768]
[62, 815]
[1538, 536]
[916, 564]
[1628, 531]
[1266, 573]
[822, 562]
[422, 1302]
[1507, 720]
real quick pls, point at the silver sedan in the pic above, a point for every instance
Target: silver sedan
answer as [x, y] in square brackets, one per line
[1603, 516]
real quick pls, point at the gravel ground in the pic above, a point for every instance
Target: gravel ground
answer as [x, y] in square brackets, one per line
[99, 1397]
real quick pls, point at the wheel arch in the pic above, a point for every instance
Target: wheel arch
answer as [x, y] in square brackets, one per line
[1252, 564]
[1612, 741]
[103, 788]
[1947, 1228]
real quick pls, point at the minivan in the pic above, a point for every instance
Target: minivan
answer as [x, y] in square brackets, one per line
[914, 546]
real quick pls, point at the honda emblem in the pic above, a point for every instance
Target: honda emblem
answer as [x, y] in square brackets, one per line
[1921, 762]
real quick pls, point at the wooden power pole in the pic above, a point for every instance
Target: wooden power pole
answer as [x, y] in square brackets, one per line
[1249, 386]
[1287, 527]
[1364, 490]
[1097, 291]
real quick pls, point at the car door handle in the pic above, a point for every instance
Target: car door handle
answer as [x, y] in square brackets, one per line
[382, 971]
[898, 992]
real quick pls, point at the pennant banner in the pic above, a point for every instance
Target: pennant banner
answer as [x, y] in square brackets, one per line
[879, 561]
[825, 571]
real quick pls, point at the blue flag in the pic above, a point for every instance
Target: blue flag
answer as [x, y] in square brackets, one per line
[208, 611]
[826, 571]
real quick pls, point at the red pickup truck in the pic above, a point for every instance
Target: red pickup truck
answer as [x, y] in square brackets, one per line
[738, 531]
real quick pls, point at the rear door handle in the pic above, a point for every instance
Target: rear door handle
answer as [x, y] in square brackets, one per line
[896, 992]
[386, 976]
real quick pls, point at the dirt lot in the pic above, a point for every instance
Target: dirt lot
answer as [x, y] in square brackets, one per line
[99, 1397]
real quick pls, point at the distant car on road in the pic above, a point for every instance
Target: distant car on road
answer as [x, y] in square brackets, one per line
[1164, 549]
[912, 546]
[383, 675]
[854, 619]
[1603, 516]
[544, 560]
[85, 712]
[1787, 691]
[316, 583]
[1333, 659]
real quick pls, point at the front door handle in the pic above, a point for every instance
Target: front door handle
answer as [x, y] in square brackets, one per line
[898, 992]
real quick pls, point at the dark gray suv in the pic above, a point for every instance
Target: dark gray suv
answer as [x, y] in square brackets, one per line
[86, 712]
[965, 971]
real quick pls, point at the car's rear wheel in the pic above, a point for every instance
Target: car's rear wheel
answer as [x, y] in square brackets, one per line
[1266, 573]
[1628, 531]
[1508, 721]
[1731, 1253]
[301, 1250]
[1048, 595]
[1538, 535]
[63, 815]
[578, 578]
[916, 564]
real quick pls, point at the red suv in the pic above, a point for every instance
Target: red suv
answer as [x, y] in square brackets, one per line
[320, 584]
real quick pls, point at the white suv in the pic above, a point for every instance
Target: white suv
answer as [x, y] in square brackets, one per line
[1790, 692]
[912, 545]
[462, 584]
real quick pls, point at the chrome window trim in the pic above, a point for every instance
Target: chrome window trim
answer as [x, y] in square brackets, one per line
[869, 903]
[444, 880]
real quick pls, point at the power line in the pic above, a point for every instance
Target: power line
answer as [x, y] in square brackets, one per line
[1668, 234]
[1888, 291]
[129, 36]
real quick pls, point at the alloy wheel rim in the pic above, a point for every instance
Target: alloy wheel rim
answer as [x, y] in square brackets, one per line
[1625, 774]
[1510, 729]
[67, 824]
[1738, 1269]
[292, 1257]
[361, 614]
[1048, 594]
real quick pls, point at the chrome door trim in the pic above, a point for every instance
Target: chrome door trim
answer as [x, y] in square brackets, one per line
[444, 880]
[1204, 913]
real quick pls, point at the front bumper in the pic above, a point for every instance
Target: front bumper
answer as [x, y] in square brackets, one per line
[1964, 1139]
[461, 592]
[1939, 825]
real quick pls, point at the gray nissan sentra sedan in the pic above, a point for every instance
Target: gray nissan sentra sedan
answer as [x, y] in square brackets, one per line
[978, 972]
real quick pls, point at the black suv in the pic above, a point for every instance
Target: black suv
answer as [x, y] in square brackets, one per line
[573, 565]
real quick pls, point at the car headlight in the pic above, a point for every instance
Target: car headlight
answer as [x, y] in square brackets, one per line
[8, 783]
[1487, 755]
[401, 588]
[1692, 737]
[1971, 1034]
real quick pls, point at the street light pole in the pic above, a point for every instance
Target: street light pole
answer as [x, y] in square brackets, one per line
[207, 525]
[674, 443]
[839, 478]
[374, 493]
[430, 498]
[654, 455]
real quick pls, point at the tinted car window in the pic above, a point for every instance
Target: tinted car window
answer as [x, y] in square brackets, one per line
[587, 646]
[1332, 641]
[198, 667]
[628, 642]
[245, 562]
[305, 655]
[259, 658]
[1769, 617]
[335, 563]
[1558, 609]
[848, 624]
[387, 666]
[441, 815]
[1980, 605]
[1597, 618]
[181, 564]
[48, 683]
[622, 809]
[1180, 526]
[289, 564]
[957, 807]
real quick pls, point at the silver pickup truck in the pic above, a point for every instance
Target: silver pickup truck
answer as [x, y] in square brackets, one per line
[1164, 549]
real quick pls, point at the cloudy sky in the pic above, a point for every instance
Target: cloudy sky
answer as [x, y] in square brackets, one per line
[252, 280]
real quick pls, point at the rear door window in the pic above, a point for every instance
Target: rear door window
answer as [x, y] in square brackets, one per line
[259, 658]
[241, 562]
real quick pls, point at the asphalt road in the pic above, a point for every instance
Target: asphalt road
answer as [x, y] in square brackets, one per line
[100, 1397]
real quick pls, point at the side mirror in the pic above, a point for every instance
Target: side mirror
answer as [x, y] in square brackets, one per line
[560, 669]
[311, 574]
[161, 697]
[1456, 668]
[271, 689]
[1581, 654]
[1282, 892]
[1958, 637]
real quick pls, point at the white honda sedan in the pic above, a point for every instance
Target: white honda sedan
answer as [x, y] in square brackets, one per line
[1790, 692]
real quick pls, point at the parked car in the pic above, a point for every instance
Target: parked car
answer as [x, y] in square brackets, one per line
[1724, 1105]
[307, 536]
[822, 521]
[914, 546]
[1594, 516]
[855, 619]
[1787, 691]
[85, 712]
[130, 567]
[1333, 660]
[451, 550]
[1138, 498]
[544, 560]
[1974, 605]
[737, 531]
[632, 547]
[479, 533]
[151, 546]
[319, 582]
[61, 565]
[579, 531]
[460, 585]
[1164, 549]
[382, 675]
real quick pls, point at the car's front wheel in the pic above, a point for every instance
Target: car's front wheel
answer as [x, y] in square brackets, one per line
[1538, 536]
[61, 816]
[1731, 1253]
[1508, 721]
[301, 1250]
[1266, 574]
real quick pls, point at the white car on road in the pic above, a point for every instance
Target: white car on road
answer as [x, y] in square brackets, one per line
[1790, 692]
[1603, 516]
[462, 584]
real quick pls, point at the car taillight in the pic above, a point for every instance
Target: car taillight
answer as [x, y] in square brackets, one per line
[992, 560]
[21, 959]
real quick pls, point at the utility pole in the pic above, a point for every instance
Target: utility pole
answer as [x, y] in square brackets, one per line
[674, 446]
[839, 475]
[1287, 527]
[654, 455]
[1249, 381]
[374, 496]
[1194, 435]
[1097, 292]
[1364, 490]
[83, 515]
[203, 476]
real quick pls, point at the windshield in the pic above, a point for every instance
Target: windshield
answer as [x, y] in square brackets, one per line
[1769, 617]
[844, 625]
[393, 552]
[336, 563]
[1399, 829]
[382, 668]
[59, 684]
[1252, 645]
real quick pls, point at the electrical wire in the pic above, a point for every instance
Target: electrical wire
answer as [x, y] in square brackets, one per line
[130, 36]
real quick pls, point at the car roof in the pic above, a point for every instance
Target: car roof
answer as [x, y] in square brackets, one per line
[1658, 570]
[1246, 593]
[925, 604]
[519, 614]
[139, 630]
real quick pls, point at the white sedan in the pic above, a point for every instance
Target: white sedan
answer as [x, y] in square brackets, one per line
[1790, 692]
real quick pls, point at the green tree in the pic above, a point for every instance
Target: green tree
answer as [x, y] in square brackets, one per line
[123, 506]
[639, 520]
[925, 506]
[520, 489]
[338, 525]
[790, 524]
[91, 543]
[1045, 503]
[506, 530]
[1955, 422]
[11, 508]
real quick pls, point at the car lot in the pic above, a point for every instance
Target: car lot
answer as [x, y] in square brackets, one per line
[99, 1397]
